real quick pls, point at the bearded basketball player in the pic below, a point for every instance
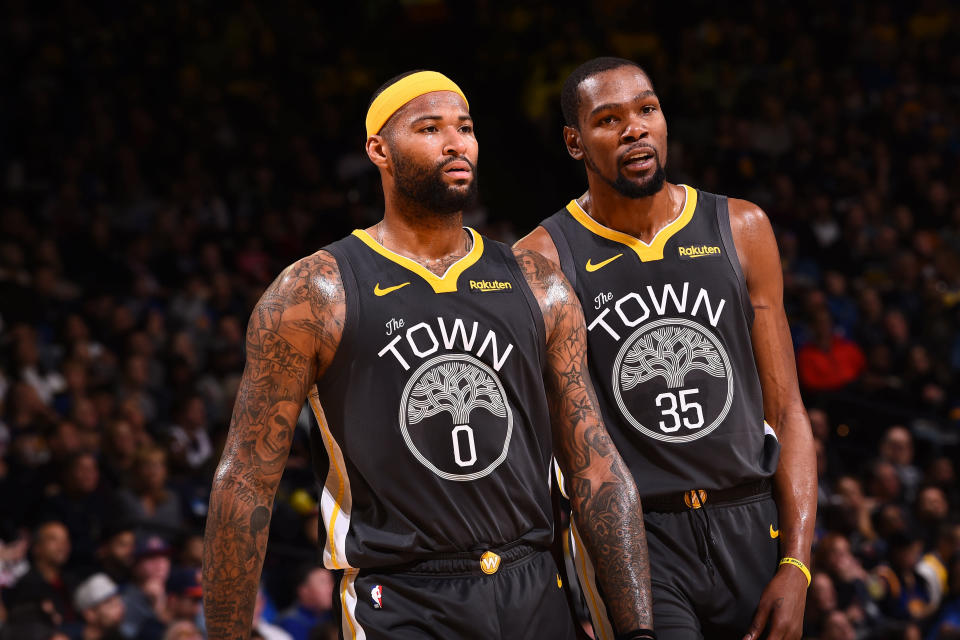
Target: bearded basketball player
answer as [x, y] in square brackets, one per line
[694, 366]
[444, 370]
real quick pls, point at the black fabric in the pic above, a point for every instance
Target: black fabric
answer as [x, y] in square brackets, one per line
[673, 502]
[521, 601]
[562, 245]
[465, 563]
[424, 477]
[709, 566]
[670, 350]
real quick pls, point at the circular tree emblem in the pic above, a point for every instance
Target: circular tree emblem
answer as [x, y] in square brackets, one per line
[454, 417]
[672, 380]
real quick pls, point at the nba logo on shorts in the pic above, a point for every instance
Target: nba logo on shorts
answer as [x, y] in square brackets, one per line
[376, 593]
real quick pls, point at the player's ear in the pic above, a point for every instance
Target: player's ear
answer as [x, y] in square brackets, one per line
[571, 137]
[377, 150]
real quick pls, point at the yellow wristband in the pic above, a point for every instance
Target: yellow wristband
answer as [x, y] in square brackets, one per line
[798, 565]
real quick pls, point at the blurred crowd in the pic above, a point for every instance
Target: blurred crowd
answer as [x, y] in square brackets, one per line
[160, 163]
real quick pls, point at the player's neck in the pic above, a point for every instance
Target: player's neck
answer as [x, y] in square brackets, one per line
[422, 236]
[641, 218]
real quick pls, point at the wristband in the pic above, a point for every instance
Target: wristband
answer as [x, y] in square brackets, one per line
[798, 565]
[637, 634]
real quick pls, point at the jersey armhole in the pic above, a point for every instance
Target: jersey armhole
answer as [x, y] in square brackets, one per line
[564, 251]
[726, 236]
[350, 315]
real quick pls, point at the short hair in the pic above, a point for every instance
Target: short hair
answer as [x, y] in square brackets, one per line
[304, 571]
[570, 94]
[386, 85]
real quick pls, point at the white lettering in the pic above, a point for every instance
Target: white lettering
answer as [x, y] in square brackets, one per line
[702, 296]
[413, 345]
[627, 321]
[668, 290]
[602, 299]
[491, 339]
[393, 349]
[393, 324]
[448, 339]
[599, 320]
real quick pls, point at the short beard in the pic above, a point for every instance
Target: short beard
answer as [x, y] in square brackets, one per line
[631, 189]
[426, 188]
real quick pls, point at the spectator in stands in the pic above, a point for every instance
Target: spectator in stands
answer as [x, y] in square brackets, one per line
[931, 512]
[833, 557]
[46, 580]
[184, 595]
[149, 502]
[314, 603]
[934, 567]
[82, 507]
[115, 554]
[145, 598]
[119, 452]
[897, 449]
[98, 602]
[821, 600]
[829, 362]
[190, 443]
[901, 592]
[885, 483]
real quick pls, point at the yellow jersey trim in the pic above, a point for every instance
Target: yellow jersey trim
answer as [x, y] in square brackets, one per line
[446, 283]
[341, 485]
[646, 252]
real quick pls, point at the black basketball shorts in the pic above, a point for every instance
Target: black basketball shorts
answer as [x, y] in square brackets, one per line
[518, 597]
[708, 568]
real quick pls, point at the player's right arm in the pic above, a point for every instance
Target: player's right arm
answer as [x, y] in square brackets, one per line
[291, 338]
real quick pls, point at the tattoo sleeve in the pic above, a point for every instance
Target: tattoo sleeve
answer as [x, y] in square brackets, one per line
[292, 335]
[603, 496]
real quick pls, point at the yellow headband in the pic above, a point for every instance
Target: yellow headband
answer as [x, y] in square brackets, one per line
[403, 91]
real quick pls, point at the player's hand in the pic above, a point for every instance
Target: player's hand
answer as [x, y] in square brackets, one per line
[781, 607]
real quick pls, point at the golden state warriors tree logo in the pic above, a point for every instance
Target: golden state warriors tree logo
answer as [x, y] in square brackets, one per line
[454, 417]
[672, 380]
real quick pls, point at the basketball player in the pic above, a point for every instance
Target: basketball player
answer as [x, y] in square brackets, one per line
[691, 353]
[424, 350]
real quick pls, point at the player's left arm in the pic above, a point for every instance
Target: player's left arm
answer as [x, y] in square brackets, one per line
[795, 481]
[603, 496]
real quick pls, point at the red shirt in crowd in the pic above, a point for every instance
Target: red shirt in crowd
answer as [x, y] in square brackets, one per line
[830, 370]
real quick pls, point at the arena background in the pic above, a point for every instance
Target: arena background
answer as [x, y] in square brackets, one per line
[161, 162]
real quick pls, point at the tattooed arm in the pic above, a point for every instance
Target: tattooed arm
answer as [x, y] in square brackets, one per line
[291, 338]
[603, 496]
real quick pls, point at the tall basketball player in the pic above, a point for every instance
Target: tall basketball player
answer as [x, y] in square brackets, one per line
[691, 354]
[424, 350]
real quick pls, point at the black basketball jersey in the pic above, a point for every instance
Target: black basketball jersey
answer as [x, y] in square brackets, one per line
[433, 431]
[670, 350]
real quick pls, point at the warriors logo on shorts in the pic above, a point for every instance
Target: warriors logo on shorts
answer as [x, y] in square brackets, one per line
[454, 417]
[672, 380]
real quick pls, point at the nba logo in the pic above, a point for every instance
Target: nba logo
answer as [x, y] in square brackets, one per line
[376, 593]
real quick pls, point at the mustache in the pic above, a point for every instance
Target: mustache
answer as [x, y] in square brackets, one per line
[453, 159]
[638, 147]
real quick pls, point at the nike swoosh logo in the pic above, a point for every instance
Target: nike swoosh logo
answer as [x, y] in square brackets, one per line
[600, 265]
[774, 533]
[382, 292]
